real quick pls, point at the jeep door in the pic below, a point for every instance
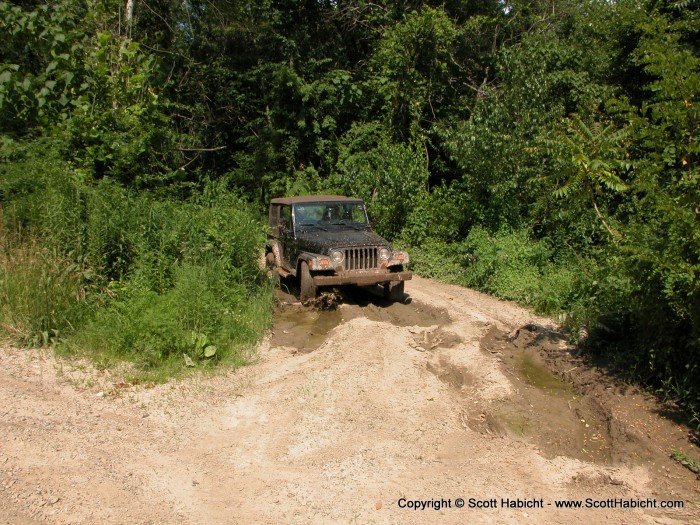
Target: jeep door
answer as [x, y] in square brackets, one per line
[287, 244]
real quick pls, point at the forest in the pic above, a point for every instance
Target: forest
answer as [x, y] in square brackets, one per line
[543, 151]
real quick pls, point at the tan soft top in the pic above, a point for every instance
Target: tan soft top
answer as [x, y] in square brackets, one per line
[314, 198]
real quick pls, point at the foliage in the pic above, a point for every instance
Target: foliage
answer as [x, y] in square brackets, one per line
[121, 274]
[412, 67]
[203, 317]
[41, 292]
[40, 70]
[390, 177]
[508, 264]
[686, 461]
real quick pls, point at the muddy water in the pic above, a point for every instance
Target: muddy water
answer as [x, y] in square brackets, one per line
[305, 328]
[545, 409]
[535, 374]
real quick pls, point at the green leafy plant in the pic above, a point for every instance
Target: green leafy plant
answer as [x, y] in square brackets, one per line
[200, 345]
[688, 462]
[597, 155]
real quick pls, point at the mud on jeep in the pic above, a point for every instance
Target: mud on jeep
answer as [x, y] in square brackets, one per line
[327, 240]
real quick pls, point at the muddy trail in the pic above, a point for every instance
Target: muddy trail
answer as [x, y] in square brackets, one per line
[354, 410]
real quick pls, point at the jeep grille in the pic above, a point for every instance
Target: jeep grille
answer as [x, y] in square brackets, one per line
[361, 258]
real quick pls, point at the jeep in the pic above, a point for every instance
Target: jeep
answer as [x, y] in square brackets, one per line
[327, 240]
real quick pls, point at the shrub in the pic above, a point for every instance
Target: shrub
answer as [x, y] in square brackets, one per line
[124, 274]
[203, 310]
[508, 264]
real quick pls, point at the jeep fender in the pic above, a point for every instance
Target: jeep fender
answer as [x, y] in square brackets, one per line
[305, 257]
[274, 249]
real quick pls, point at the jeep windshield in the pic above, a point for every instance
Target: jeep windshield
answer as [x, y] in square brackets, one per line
[330, 215]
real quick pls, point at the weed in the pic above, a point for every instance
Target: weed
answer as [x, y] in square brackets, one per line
[40, 295]
[689, 463]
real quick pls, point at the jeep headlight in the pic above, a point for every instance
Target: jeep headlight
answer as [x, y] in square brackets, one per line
[384, 254]
[337, 256]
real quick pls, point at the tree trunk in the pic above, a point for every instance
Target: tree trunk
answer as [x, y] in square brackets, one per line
[129, 11]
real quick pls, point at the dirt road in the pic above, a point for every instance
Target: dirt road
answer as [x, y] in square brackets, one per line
[352, 416]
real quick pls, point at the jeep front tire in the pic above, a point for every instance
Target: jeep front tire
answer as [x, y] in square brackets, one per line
[306, 283]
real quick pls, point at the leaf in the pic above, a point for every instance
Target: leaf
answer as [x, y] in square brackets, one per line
[210, 351]
[188, 360]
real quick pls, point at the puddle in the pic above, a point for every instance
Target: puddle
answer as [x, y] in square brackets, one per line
[302, 328]
[370, 303]
[306, 327]
[450, 374]
[538, 376]
[545, 409]
[414, 314]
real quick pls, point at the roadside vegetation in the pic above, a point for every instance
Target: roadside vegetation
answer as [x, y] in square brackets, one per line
[542, 151]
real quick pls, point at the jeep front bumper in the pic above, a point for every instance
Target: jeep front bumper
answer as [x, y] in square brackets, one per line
[360, 278]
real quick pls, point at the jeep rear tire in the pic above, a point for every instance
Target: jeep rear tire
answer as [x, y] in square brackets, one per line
[271, 265]
[306, 284]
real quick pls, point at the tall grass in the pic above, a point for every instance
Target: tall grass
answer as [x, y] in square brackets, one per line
[119, 274]
[41, 293]
[161, 332]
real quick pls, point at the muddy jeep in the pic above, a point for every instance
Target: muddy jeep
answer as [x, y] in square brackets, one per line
[326, 240]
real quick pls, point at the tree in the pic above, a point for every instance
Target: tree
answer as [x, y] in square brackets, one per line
[598, 159]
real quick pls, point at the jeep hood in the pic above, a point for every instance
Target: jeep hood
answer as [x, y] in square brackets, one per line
[319, 241]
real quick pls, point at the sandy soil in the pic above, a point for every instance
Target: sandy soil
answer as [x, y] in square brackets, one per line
[346, 416]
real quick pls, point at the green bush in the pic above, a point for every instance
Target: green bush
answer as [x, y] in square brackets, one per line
[202, 310]
[124, 274]
[507, 264]
[435, 217]
[179, 271]
[438, 260]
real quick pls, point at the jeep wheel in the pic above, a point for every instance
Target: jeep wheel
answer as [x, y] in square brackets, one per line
[394, 290]
[306, 284]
